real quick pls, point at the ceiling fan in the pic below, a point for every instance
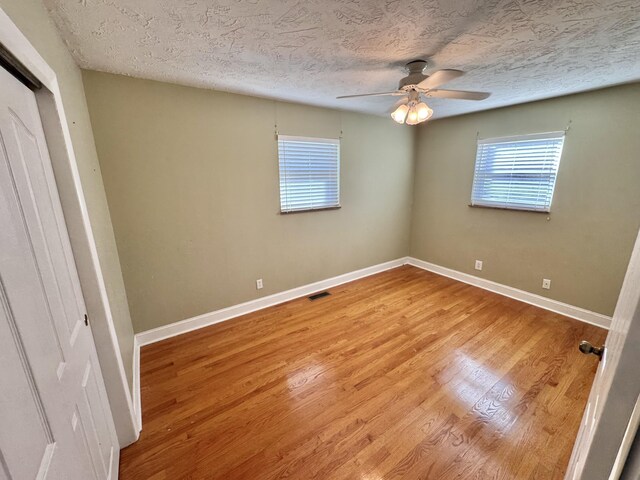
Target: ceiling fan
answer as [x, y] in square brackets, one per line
[412, 109]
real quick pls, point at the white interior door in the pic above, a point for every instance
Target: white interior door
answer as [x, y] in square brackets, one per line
[55, 421]
[615, 388]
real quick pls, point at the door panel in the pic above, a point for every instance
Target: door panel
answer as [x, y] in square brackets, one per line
[55, 418]
[615, 388]
[33, 179]
[19, 255]
[92, 413]
[29, 431]
[25, 453]
[29, 183]
[82, 436]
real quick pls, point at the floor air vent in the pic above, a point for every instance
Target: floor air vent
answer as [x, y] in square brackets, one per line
[316, 296]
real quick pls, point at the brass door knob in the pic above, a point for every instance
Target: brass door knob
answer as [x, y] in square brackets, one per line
[586, 348]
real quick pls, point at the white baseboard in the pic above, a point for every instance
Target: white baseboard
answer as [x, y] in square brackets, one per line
[565, 309]
[137, 401]
[190, 324]
[178, 328]
[184, 326]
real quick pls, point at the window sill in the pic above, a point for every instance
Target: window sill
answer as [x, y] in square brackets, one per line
[290, 212]
[511, 209]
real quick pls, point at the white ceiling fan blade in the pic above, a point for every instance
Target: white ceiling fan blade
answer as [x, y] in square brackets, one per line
[381, 94]
[458, 94]
[438, 78]
[402, 101]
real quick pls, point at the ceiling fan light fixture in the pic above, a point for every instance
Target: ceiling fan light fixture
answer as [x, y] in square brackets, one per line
[412, 116]
[400, 113]
[424, 112]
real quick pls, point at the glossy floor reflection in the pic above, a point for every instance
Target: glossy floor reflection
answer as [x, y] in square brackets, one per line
[405, 374]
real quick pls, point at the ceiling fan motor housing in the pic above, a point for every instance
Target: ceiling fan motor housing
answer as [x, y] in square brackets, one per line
[415, 76]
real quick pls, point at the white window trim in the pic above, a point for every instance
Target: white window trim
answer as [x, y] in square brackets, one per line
[520, 138]
[331, 141]
[517, 138]
[292, 138]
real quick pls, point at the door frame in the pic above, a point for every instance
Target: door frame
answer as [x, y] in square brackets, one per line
[76, 217]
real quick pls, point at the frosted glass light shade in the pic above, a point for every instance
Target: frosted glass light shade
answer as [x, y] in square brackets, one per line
[412, 116]
[424, 112]
[400, 113]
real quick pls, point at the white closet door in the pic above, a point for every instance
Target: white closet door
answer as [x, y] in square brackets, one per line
[54, 412]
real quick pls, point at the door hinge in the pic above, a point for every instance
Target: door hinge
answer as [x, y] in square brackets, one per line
[86, 320]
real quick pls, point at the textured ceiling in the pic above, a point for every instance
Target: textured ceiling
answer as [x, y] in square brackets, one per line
[311, 51]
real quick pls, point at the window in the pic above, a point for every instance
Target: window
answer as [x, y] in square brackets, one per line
[518, 173]
[309, 173]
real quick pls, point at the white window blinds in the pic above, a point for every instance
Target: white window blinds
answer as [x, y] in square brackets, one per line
[517, 172]
[309, 173]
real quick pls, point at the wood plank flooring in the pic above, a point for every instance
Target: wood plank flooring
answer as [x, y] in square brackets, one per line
[404, 374]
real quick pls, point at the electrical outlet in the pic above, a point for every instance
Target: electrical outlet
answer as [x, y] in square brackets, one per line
[478, 264]
[546, 283]
[259, 284]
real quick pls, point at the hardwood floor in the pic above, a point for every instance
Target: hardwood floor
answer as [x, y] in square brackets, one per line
[404, 374]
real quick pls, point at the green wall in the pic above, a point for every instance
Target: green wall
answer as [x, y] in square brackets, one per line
[583, 245]
[192, 182]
